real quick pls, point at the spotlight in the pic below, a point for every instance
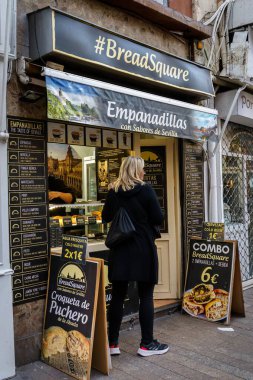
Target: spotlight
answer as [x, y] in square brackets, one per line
[31, 96]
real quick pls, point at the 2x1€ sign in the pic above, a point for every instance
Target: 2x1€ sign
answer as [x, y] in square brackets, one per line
[74, 248]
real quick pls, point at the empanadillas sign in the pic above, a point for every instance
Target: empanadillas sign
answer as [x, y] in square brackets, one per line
[66, 35]
[97, 106]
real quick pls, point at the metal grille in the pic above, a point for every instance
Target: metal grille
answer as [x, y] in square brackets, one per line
[237, 166]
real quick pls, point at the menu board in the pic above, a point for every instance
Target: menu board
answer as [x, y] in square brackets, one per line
[209, 280]
[194, 213]
[74, 298]
[155, 175]
[28, 221]
[108, 163]
[213, 231]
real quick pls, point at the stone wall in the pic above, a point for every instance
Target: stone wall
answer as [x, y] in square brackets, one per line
[28, 318]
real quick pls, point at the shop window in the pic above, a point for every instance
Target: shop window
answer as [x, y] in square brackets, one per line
[233, 189]
[242, 143]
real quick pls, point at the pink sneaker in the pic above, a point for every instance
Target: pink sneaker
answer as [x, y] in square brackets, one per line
[114, 349]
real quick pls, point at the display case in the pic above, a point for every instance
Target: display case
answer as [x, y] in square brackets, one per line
[80, 219]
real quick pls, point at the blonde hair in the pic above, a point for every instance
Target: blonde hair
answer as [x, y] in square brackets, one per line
[129, 174]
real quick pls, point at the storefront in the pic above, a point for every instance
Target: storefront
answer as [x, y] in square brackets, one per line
[237, 153]
[90, 126]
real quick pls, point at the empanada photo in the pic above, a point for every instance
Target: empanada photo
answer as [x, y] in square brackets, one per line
[78, 345]
[54, 341]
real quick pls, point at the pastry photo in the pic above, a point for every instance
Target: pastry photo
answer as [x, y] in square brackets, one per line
[54, 341]
[78, 345]
[93, 137]
[205, 302]
[109, 139]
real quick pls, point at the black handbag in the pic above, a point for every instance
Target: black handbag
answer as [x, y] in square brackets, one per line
[121, 229]
[157, 233]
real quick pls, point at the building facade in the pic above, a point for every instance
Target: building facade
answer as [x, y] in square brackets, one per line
[176, 165]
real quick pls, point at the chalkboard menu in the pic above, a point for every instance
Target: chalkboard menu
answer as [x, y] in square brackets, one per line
[27, 209]
[108, 163]
[155, 175]
[209, 279]
[194, 213]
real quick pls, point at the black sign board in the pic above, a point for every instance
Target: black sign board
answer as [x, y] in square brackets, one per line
[155, 175]
[27, 208]
[67, 221]
[28, 252]
[193, 174]
[74, 248]
[90, 44]
[25, 128]
[213, 231]
[73, 297]
[210, 279]
[27, 144]
[108, 163]
[27, 198]
[21, 280]
[27, 184]
[29, 294]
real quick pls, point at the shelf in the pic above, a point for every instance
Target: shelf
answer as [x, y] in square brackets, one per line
[75, 205]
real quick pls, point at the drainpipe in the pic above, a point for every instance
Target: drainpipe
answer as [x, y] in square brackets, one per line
[7, 358]
[215, 189]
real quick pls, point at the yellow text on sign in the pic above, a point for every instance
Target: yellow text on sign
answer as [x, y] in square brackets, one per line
[206, 276]
[74, 255]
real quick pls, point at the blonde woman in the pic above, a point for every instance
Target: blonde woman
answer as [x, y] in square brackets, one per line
[136, 258]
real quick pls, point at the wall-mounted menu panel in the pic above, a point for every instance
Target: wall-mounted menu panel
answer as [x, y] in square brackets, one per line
[155, 175]
[28, 219]
[193, 175]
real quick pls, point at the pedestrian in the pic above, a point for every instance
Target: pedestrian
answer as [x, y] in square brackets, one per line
[135, 259]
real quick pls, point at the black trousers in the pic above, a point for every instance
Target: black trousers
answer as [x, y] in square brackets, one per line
[146, 310]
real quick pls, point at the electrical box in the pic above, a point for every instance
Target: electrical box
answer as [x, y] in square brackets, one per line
[241, 14]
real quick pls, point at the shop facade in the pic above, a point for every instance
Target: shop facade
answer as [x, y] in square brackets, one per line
[237, 175]
[81, 127]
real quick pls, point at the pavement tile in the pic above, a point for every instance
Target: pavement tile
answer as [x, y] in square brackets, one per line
[198, 351]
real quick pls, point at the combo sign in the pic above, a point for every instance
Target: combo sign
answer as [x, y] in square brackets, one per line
[213, 280]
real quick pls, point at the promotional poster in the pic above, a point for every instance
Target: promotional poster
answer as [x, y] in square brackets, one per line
[209, 280]
[69, 319]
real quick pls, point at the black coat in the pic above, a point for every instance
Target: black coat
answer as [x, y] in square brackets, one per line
[135, 259]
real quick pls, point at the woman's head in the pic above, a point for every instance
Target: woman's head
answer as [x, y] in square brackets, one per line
[131, 173]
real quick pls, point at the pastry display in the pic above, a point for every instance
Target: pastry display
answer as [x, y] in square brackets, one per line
[60, 218]
[97, 214]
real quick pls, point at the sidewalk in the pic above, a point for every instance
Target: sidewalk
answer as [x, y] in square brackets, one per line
[198, 351]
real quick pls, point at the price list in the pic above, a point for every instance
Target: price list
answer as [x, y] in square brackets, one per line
[28, 220]
[193, 190]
